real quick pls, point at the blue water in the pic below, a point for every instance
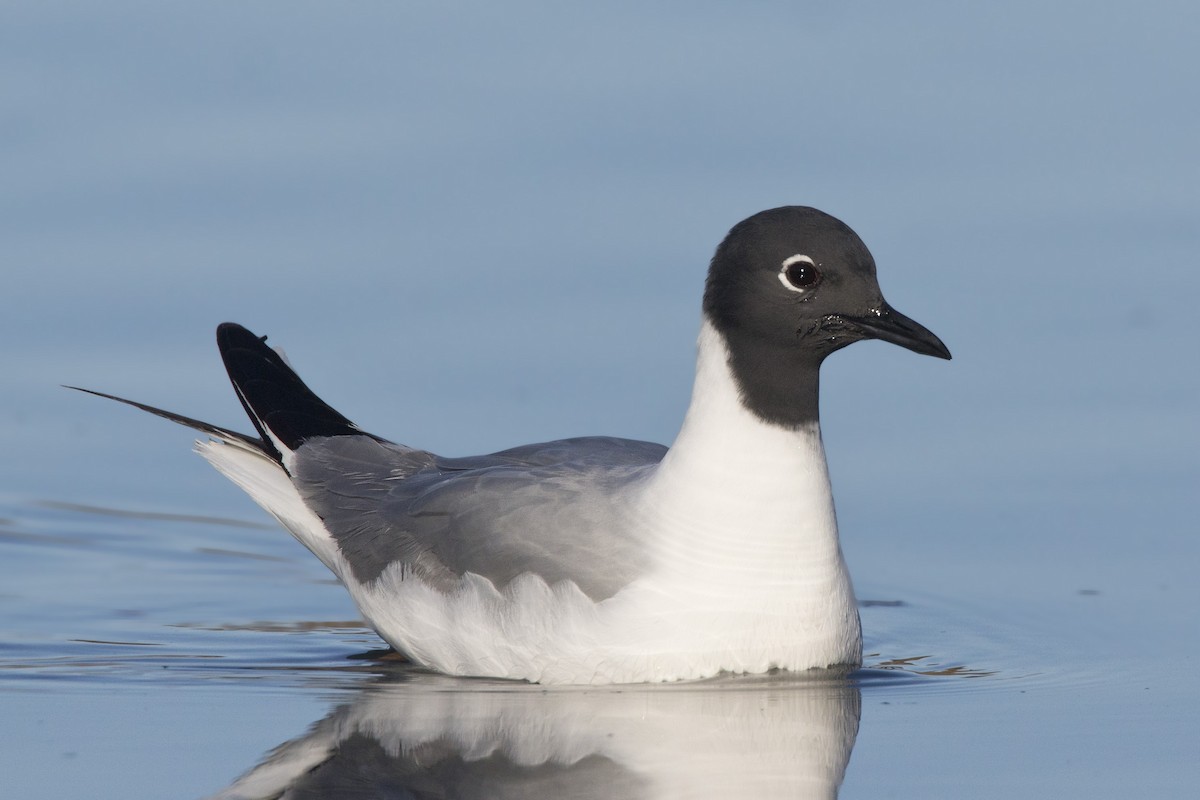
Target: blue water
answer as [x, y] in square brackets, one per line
[473, 226]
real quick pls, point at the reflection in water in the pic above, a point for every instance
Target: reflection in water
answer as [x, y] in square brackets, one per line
[433, 736]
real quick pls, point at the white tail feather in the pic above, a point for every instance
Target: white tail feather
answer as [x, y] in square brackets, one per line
[268, 484]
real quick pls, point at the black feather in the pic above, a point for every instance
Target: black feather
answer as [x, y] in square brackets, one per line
[205, 427]
[273, 395]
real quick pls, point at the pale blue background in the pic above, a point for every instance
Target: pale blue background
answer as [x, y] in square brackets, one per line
[474, 225]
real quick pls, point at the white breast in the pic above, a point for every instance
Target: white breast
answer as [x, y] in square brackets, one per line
[749, 571]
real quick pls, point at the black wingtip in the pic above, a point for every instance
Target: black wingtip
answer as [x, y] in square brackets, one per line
[279, 404]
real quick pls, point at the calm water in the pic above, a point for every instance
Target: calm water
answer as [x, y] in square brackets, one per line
[478, 225]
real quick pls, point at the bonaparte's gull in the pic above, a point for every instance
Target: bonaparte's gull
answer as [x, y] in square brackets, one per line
[601, 560]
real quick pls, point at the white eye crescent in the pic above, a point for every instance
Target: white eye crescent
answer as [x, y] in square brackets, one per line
[799, 274]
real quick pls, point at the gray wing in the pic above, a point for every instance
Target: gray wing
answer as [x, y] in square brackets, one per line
[554, 509]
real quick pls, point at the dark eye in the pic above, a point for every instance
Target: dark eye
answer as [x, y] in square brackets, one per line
[800, 274]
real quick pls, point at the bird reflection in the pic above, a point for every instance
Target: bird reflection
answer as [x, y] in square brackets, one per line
[420, 735]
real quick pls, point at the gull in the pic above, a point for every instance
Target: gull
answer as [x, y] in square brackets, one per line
[599, 560]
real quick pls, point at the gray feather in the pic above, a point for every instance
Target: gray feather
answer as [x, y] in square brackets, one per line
[556, 509]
